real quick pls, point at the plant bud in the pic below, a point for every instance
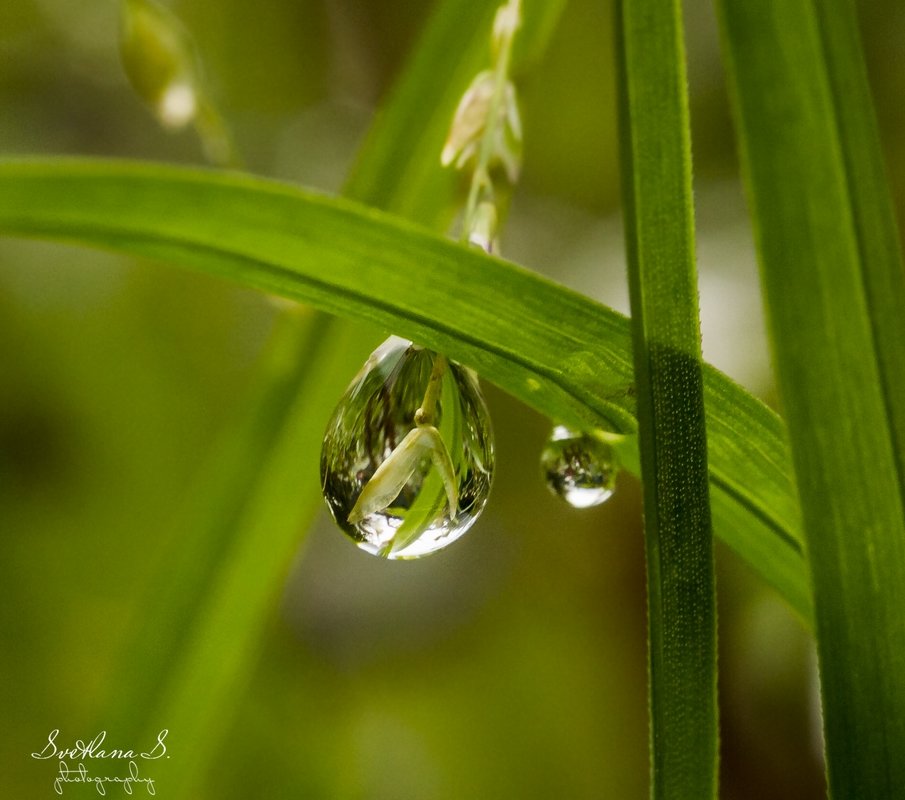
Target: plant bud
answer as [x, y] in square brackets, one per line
[469, 122]
[484, 227]
[159, 60]
[506, 22]
[508, 145]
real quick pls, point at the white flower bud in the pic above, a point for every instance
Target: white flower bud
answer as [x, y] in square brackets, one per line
[469, 121]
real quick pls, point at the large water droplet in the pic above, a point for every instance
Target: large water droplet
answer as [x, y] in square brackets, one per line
[579, 467]
[436, 470]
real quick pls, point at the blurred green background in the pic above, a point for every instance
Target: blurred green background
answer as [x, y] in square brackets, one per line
[511, 665]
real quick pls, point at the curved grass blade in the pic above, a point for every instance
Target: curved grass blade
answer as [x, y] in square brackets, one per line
[659, 223]
[570, 358]
[833, 285]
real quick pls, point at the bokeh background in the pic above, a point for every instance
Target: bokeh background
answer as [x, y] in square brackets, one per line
[511, 665]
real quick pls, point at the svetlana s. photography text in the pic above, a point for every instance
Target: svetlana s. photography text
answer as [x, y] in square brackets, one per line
[91, 761]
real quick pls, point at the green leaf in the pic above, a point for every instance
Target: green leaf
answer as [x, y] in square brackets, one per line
[571, 359]
[659, 227]
[835, 291]
[871, 205]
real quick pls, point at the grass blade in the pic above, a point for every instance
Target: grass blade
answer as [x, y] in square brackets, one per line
[825, 233]
[872, 208]
[277, 238]
[659, 222]
[196, 644]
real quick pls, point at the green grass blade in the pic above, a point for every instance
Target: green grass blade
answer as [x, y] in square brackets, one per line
[828, 257]
[659, 223]
[872, 208]
[571, 359]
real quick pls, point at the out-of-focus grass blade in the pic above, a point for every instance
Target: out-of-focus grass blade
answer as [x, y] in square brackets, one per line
[659, 227]
[198, 636]
[210, 510]
[834, 293]
[556, 350]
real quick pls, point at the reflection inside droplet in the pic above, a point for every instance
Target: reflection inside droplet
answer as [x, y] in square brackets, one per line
[400, 486]
[579, 467]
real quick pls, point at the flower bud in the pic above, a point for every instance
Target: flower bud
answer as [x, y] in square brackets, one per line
[159, 60]
[484, 227]
[469, 122]
[506, 22]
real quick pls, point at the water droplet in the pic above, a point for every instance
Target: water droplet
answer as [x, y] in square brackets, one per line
[406, 469]
[578, 467]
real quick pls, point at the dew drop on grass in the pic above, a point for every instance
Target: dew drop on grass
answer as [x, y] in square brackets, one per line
[436, 475]
[579, 468]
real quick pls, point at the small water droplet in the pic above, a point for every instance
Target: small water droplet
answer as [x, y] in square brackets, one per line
[579, 468]
[437, 465]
